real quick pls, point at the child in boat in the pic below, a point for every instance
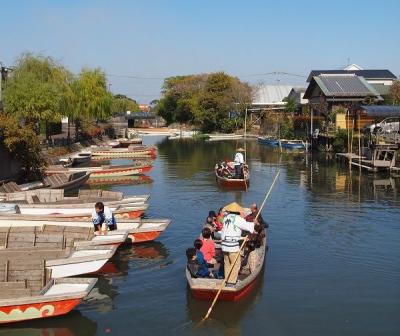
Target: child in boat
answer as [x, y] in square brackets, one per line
[103, 215]
[197, 268]
[208, 246]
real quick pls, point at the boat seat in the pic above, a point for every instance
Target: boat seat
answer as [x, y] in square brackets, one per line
[10, 187]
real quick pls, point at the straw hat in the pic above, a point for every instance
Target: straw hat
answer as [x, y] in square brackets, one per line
[233, 207]
[240, 149]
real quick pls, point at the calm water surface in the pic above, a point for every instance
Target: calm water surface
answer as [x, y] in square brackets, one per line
[333, 267]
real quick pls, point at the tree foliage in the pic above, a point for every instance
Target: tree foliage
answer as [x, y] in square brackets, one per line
[23, 144]
[394, 93]
[204, 100]
[35, 91]
[122, 103]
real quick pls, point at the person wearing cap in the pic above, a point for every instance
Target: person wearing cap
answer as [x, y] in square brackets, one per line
[231, 232]
[239, 162]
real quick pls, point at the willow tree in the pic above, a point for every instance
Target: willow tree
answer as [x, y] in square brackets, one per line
[90, 100]
[35, 90]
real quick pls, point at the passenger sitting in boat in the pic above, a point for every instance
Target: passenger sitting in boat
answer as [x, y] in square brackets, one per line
[103, 215]
[251, 217]
[208, 246]
[258, 235]
[219, 219]
[239, 162]
[250, 259]
[231, 234]
[196, 269]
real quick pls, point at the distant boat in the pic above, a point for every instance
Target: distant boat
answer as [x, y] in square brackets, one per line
[294, 144]
[268, 141]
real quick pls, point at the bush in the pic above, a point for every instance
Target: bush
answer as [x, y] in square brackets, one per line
[340, 142]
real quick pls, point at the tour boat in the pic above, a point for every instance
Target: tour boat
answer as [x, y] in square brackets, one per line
[139, 230]
[59, 296]
[229, 182]
[55, 197]
[268, 141]
[207, 288]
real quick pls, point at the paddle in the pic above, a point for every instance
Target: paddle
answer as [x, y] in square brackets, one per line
[237, 256]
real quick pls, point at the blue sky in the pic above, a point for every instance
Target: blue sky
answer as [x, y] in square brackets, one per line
[156, 39]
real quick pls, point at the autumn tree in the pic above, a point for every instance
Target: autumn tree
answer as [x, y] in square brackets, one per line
[394, 93]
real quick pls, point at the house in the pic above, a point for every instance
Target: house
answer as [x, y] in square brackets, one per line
[296, 94]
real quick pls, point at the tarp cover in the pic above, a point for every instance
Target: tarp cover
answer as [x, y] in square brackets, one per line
[377, 111]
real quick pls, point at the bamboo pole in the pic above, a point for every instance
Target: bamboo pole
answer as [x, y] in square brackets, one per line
[237, 256]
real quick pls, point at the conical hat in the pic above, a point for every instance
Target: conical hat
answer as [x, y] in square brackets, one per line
[233, 207]
[240, 149]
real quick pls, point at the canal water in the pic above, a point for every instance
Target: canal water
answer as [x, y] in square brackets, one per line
[333, 265]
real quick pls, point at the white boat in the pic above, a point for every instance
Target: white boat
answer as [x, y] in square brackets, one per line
[81, 262]
[139, 230]
[55, 197]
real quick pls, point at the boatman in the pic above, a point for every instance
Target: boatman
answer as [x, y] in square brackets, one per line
[103, 215]
[239, 162]
[231, 233]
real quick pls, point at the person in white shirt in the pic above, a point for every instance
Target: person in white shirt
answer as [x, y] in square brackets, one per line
[231, 233]
[239, 162]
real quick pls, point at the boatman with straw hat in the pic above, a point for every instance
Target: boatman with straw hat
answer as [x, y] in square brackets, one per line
[233, 225]
[239, 162]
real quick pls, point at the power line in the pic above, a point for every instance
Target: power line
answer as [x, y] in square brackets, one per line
[274, 73]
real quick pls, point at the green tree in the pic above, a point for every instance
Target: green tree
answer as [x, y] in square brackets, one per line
[122, 103]
[90, 100]
[35, 89]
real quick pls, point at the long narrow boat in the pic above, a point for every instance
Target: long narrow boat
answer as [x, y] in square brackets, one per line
[294, 144]
[64, 262]
[139, 230]
[206, 289]
[229, 182]
[121, 180]
[58, 181]
[74, 213]
[102, 171]
[268, 141]
[128, 142]
[77, 158]
[55, 197]
[19, 303]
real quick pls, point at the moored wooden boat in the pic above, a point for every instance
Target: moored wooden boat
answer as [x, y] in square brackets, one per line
[268, 141]
[19, 303]
[77, 158]
[102, 171]
[121, 180]
[139, 230]
[119, 211]
[55, 197]
[294, 144]
[128, 142]
[206, 288]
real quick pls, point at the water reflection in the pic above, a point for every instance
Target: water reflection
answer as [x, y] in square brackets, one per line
[73, 324]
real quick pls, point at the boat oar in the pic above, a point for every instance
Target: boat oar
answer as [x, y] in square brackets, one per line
[237, 256]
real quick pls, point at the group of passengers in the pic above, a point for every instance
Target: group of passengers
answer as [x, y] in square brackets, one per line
[226, 230]
[235, 169]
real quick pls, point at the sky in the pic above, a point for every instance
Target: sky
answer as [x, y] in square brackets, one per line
[139, 43]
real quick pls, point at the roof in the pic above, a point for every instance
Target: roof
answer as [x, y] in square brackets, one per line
[353, 67]
[367, 74]
[379, 110]
[271, 94]
[341, 86]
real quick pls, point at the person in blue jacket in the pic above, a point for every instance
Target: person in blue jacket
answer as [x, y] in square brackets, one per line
[103, 218]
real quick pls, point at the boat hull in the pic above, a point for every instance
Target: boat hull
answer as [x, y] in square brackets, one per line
[225, 295]
[23, 312]
[61, 271]
[143, 237]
